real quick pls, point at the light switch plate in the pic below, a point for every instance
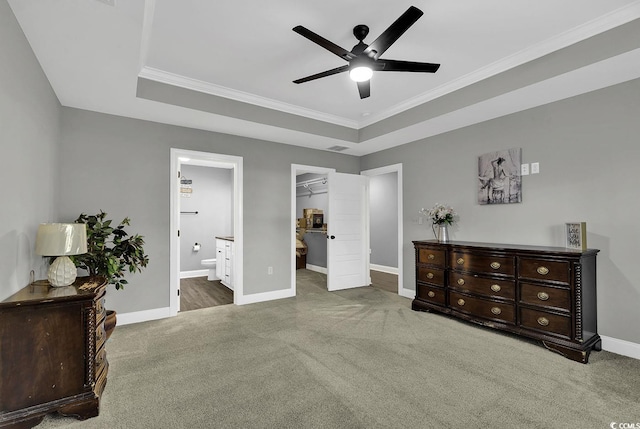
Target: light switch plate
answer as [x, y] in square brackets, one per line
[535, 167]
[524, 169]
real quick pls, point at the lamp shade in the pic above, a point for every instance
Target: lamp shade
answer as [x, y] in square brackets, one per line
[58, 239]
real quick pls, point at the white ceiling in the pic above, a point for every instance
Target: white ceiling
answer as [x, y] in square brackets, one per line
[94, 52]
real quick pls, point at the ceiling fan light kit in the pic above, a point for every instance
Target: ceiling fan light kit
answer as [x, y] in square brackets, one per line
[364, 59]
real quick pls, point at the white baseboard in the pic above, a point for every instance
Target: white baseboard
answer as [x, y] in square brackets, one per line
[383, 269]
[265, 296]
[194, 273]
[408, 293]
[317, 269]
[143, 316]
[621, 347]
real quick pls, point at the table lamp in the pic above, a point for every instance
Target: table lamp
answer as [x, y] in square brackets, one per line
[61, 239]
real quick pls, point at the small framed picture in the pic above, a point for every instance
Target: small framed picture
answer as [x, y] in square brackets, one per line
[318, 220]
[576, 233]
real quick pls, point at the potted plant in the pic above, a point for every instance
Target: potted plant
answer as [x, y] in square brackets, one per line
[111, 252]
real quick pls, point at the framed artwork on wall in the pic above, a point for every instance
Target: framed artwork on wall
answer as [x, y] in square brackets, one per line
[576, 235]
[499, 177]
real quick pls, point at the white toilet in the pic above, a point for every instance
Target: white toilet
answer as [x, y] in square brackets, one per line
[210, 264]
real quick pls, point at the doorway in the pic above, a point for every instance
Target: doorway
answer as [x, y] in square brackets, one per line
[347, 230]
[206, 212]
[233, 165]
[312, 177]
[388, 233]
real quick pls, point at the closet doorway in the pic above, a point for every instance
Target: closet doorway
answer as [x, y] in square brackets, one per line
[347, 227]
[186, 245]
[310, 190]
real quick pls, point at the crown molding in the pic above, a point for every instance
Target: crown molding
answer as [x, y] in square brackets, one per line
[168, 78]
[594, 27]
[599, 25]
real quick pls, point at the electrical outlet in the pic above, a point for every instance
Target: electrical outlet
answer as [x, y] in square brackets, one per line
[535, 167]
[269, 270]
[524, 169]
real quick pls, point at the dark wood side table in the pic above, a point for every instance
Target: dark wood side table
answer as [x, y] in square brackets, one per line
[52, 354]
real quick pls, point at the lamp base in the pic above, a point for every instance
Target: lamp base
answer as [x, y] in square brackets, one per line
[62, 272]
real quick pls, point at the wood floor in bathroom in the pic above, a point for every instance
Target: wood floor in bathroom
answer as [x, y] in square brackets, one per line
[198, 292]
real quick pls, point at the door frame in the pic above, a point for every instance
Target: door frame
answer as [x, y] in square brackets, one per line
[297, 169]
[397, 168]
[205, 159]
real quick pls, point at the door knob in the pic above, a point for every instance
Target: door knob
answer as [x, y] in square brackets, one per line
[331, 237]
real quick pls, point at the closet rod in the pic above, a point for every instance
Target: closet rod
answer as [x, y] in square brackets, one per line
[320, 180]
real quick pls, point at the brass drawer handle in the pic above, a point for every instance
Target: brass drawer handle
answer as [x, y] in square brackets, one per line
[460, 282]
[496, 310]
[543, 271]
[460, 261]
[496, 288]
[495, 265]
[461, 301]
[543, 321]
[543, 296]
[431, 294]
[431, 256]
[429, 275]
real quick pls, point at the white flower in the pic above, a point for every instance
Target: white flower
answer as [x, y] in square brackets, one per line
[439, 214]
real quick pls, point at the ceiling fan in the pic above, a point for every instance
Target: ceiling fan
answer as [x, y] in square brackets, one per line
[365, 59]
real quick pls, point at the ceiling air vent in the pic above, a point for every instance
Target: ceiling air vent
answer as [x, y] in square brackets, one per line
[337, 148]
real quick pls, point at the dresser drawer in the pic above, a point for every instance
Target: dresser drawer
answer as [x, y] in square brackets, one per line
[545, 296]
[482, 307]
[495, 288]
[431, 256]
[540, 269]
[431, 294]
[101, 360]
[544, 321]
[101, 335]
[100, 310]
[480, 263]
[434, 276]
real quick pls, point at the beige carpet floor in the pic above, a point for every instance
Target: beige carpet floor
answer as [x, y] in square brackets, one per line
[359, 358]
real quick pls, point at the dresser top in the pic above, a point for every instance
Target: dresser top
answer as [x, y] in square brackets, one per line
[41, 291]
[509, 247]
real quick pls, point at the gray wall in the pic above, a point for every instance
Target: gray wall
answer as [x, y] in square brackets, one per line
[588, 152]
[383, 218]
[122, 166]
[316, 242]
[212, 198]
[29, 140]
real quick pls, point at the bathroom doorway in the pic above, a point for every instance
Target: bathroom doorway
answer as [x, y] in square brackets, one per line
[205, 207]
[206, 213]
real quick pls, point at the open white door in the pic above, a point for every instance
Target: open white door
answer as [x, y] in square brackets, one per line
[348, 240]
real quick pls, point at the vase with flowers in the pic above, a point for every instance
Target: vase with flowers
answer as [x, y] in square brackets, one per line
[441, 217]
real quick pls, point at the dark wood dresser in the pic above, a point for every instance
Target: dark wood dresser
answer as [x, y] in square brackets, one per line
[52, 354]
[544, 293]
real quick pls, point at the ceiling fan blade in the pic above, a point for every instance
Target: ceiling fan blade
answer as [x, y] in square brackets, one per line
[319, 40]
[364, 88]
[406, 66]
[322, 74]
[395, 30]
